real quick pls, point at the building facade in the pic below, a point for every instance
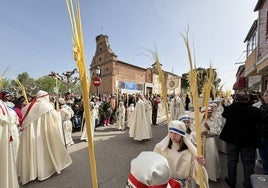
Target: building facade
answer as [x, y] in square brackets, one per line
[256, 63]
[118, 76]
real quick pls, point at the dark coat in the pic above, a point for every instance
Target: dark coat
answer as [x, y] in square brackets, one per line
[242, 121]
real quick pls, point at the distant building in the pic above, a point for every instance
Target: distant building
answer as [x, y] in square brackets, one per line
[126, 77]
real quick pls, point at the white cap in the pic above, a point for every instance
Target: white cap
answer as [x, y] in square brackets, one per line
[184, 117]
[149, 169]
[180, 128]
[62, 100]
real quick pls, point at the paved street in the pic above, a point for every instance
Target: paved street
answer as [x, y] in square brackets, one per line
[114, 151]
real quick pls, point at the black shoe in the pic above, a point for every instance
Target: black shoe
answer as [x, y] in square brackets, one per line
[229, 183]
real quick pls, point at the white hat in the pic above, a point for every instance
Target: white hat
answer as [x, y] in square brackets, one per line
[41, 93]
[149, 169]
[203, 109]
[213, 105]
[62, 101]
[42, 96]
[184, 117]
[91, 104]
[178, 127]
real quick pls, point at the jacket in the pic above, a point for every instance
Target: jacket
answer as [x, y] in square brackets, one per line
[241, 126]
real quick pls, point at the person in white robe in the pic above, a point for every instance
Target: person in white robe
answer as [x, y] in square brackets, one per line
[139, 127]
[121, 111]
[210, 130]
[181, 155]
[130, 111]
[14, 130]
[176, 108]
[66, 114]
[41, 151]
[93, 117]
[14, 121]
[8, 173]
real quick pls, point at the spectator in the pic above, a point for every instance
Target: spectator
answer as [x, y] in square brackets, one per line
[241, 135]
[263, 130]
[187, 102]
[155, 103]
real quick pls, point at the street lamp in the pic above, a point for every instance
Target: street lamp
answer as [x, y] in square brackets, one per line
[98, 71]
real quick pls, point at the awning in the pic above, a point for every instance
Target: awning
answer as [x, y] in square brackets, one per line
[241, 83]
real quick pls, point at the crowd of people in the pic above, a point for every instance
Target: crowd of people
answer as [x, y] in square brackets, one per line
[36, 131]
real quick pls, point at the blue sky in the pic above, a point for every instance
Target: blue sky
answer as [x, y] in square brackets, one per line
[36, 35]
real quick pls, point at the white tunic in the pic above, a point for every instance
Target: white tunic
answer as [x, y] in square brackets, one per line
[139, 127]
[212, 165]
[41, 151]
[120, 124]
[8, 174]
[66, 115]
[182, 164]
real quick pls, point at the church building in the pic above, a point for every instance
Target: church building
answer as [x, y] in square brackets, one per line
[122, 77]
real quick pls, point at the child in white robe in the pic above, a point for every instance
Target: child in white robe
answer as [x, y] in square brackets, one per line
[120, 124]
[181, 155]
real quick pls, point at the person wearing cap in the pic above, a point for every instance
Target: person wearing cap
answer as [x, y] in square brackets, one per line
[121, 111]
[181, 155]
[210, 130]
[41, 151]
[8, 171]
[66, 113]
[139, 126]
[150, 170]
[186, 119]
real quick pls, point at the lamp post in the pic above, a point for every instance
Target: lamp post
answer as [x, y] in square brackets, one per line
[98, 71]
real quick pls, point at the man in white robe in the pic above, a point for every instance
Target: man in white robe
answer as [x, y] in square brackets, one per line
[139, 127]
[41, 152]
